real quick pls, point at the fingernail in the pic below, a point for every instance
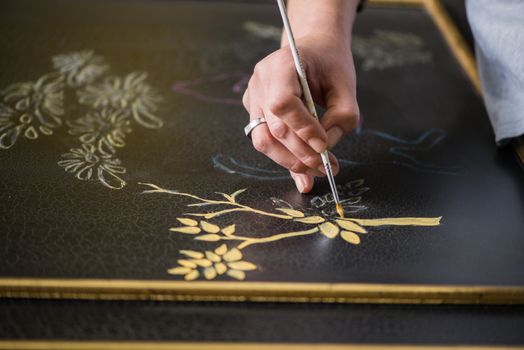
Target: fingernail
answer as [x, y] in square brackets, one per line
[314, 172]
[300, 184]
[333, 136]
[322, 169]
[317, 144]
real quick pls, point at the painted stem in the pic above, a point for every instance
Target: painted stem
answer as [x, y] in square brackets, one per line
[409, 221]
[247, 241]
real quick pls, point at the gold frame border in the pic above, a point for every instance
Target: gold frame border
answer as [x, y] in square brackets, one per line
[111, 289]
[118, 345]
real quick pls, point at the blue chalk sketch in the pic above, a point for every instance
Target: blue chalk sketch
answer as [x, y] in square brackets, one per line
[399, 151]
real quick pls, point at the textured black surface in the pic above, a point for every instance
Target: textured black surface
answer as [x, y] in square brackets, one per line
[166, 321]
[54, 225]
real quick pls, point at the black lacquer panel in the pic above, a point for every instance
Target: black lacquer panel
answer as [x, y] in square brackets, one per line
[425, 150]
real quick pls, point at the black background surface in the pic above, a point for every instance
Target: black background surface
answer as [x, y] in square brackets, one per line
[57, 226]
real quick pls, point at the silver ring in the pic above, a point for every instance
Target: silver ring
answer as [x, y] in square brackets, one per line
[253, 124]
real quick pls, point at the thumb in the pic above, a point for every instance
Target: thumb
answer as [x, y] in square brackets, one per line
[342, 113]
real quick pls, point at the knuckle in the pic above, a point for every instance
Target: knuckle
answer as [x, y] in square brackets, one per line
[350, 115]
[279, 130]
[297, 167]
[278, 105]
[261, 142]
[309, 131]
[259, 68]
[311, 160]
[245, 101]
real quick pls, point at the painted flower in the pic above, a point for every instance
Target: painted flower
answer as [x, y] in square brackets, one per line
[387, 49]
[349, 231]
[106, 129]
[130, 93]
[351, 192]
[31, 109]
[211, 264]
[80, 67]
[87, 163]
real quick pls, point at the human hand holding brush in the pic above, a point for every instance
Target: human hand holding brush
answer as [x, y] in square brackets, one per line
[291, 136]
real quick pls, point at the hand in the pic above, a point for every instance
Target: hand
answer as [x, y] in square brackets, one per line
[292, 137]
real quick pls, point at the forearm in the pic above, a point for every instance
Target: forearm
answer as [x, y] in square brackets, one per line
[322, 17]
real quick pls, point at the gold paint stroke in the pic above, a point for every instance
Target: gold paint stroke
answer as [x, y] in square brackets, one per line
[111, 289]
[208, 264]
[148, 345]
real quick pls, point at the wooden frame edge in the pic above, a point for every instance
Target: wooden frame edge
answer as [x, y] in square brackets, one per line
[140, 345]
[101, 289]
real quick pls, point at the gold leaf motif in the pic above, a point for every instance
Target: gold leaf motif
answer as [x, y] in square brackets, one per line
[220, 268]
[350, 237]
[179, 270]
[208, 227]
[291, 212]
[210, 273]
[311, 220]
[202, 262]
[242, 265]
[229, 230]
[187, 222]
[192, 254]
[186, 229]
[233, 255]
[187, 263]
[208, 238]
[329, 230]
[237, 274]
[193, 275]
[351, 226]
[212, 256]
[221, 250]
[236, 193]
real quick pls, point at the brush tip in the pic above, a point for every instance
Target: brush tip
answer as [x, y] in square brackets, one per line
[340, 210]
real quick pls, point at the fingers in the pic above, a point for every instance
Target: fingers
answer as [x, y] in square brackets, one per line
[285, 135]
[342, 112]
[304, 182]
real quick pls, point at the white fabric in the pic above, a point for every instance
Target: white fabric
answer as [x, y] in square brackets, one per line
[498, 28]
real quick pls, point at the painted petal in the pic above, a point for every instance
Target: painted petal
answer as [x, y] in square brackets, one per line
[105, 147]
[109, 179]
[202, 262]
[350, 237]
[208, 227]
[186, 229]
[193, 275]
[146, 119]
[192, 254]
[351, 226]
[179, 270]
[220, 268]
[213, 257]
[233, 255]
[210, 273]
[292, 212]
[329, 229]
[239, 275]
[221, 250]
[31, 133]
[242, 265]
[229, 230]
[311, 220]
[187, 263]
[9, 137]
[187, 222]
[209, 238]
[45, 131]
[85, 173]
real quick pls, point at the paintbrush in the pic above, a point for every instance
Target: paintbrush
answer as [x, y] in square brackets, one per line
[309, 102]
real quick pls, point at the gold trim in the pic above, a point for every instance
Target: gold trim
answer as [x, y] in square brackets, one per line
[276, 291]
[114, 345]
[258, 291]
